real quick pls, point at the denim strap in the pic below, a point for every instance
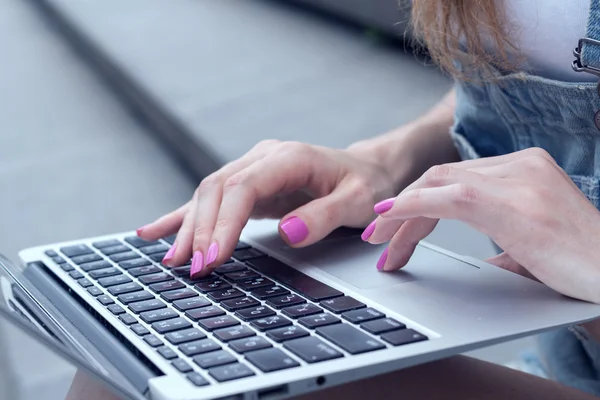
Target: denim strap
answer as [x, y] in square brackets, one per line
[588, 48]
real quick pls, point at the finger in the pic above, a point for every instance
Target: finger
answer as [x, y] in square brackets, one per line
[166, 225]
[280, 205]
[506, 262]
[497, 160]
[181, 249]
[403, 243]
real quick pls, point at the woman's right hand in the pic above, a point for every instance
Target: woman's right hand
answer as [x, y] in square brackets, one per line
[312, 189]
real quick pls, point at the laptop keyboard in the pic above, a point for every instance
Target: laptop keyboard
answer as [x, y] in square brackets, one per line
[246, 307]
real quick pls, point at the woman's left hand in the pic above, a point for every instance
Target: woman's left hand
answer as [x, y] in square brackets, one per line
[524, 201]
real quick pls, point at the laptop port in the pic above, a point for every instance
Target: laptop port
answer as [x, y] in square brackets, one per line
[320, 381]
[273, 392]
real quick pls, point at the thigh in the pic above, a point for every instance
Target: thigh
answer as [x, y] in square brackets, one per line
[457, 377]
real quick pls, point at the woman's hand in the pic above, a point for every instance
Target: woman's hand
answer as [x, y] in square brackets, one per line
[524, 201]
[314, 190]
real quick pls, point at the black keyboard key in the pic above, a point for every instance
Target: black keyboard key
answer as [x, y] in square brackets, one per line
[135, 263]
[84, 282]
[224, 321]
[212, 285]
[274, 322]
[86, 258]
[214, 359]
[198, 279]
[171, 325]
[294, 279]
[181, 365]
[253, 343]
[301, 310]
[182, 272]
[178, 294]
[318, 320]
[252, 284]
[242, 275]
[249, 314]
[155, 278]
[170, 239]
[199, 347]
[166, 286]
[104, 273]
[363, 315]
[114, 280]
[153, 249]
[230, 372]
[285, 301]
[247, 254]
[106, 243]
[384, 325]
[59, 260]
[76, 250]
[94, 291]
[146, 305]
[231, 267]
[124, 288]
[153, 340]
[312, 349]
[123, 256]
[157, 315]
[241, 245]
[342, 304]
[138, 242]
[404, 336]
[226, 294]
[87, 267]
[197, 379]
[135, 296]
[184, 336]
[158, 257]
[167, 353]
[189, 304]
[115, 309]
[128, 319]
[287, 333]
[139, 329]
[204, 312]
[51, 253]
[110, 250]
[66, 267]
[145, 270]
[234, 332]
[238, 304]
[105, 300]
[269, 360]
[350, 339]
[75, 274]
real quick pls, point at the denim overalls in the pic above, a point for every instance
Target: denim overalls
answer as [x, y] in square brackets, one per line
[518, 111]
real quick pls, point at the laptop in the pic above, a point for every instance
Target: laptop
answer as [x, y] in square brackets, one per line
[271, 323]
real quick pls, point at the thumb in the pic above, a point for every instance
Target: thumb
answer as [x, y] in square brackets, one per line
[315, 220]
[506, 262]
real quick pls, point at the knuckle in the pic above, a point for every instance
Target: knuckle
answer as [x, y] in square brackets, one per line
[202, 235]
[294, 148]
[437, 173]
[538, 152]
[464, 194]
[235, 180]
[227, 224]
[266, 143]
[210, 181]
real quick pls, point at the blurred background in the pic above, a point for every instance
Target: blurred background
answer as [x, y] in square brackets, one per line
[114, 110]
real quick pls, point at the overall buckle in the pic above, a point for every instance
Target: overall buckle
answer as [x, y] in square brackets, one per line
[577, 64]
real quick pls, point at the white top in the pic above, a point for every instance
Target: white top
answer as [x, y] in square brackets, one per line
[546, 32]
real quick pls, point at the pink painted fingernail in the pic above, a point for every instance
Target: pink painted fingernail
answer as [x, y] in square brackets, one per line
[212, 253]
[138, 231]
[197, 263]
[170, 253]
[368, 231]
[295, 230]
[384, 206]
[382, 260]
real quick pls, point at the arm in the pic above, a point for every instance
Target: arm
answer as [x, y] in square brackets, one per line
[427, 137]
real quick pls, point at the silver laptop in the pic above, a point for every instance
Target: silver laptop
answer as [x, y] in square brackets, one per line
[271, 323]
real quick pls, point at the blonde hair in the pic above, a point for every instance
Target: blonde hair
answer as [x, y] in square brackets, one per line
[464, 30]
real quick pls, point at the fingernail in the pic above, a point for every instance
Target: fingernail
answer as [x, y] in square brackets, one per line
[212, 253]
[197, 263]
[295, 230]
[138, 231]
[368, 231]
[382, 260]
[170, 253]
[384, 206]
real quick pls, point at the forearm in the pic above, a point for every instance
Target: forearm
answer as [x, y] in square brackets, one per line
[408, 151]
